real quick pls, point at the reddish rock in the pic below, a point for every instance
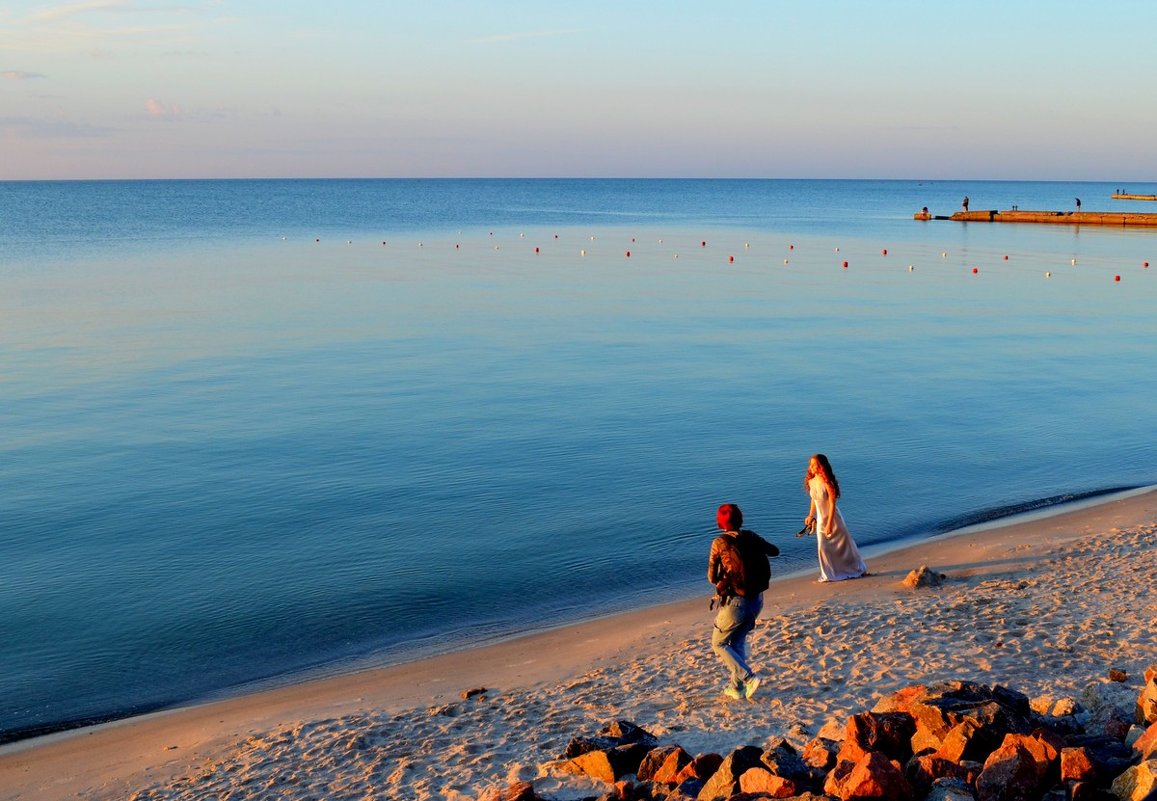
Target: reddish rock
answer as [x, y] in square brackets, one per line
[874, 776]
[960, 743]
[922, 771]
[1138, 783]
[519, 791]
[820, 753]
[596, 764]
[701, 768]
[1146, 745]
[1017, 770]
[1116, 674]
[1077, 765]
[1088, 791]
[724, 782]
[1146, 710]
[663, 765]
[763, 781]
[890, 733]
[901, 700]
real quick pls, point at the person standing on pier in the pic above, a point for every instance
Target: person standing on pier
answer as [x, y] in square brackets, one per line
[1078, 204]
[965, 202]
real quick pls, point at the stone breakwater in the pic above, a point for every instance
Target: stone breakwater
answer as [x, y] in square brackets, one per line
[952, 741]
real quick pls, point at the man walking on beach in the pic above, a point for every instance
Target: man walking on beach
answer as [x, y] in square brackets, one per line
[739, 570]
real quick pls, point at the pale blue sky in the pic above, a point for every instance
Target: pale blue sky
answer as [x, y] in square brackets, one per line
[259, 88]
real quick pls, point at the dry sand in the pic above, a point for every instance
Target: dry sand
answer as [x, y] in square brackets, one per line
[1045, 606]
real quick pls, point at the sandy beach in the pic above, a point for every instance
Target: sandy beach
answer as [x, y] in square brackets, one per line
[1045, 605]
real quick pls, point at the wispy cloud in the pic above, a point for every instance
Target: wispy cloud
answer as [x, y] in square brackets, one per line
[501, 38]
[20, 75]
[162, 111]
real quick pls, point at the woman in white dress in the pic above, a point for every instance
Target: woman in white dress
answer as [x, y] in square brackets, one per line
[839, 557]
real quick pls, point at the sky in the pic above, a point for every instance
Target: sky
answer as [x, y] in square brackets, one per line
[1015, 89]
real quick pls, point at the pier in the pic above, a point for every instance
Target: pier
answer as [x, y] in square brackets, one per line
[1129, 196]
[1051, 217]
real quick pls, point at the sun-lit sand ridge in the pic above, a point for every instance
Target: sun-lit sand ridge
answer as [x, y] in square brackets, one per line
[1045, 606]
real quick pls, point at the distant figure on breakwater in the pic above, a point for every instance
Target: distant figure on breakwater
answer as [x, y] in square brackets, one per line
[1078, 204]
[965, 202]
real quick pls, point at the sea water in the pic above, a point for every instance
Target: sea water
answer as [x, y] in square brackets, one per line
[260, 430]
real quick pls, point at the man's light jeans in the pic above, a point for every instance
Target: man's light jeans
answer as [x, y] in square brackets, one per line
[729, 639]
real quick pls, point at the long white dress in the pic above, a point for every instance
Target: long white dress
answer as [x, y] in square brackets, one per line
[839, 557]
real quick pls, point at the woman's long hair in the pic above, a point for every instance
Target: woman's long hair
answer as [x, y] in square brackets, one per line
[829, 475]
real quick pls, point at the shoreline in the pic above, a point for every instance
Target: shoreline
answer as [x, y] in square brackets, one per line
[115, 758]
[961, 525]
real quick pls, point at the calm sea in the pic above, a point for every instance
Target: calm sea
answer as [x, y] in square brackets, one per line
[256, 430]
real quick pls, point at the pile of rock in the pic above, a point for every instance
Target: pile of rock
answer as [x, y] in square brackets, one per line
[952, 741]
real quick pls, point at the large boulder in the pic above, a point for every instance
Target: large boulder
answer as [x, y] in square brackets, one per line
[1018, 769]
[1109, 755]
[663, 764]
[763, 783]
[1077, 765]
[701, 768]
[923, 771]
[724, 783]
[1145, 711]
[890, 733]
[1138, 783]
[1146, 744]
[873, 776]
[781, 759]
[616, 751]
[1111, 708]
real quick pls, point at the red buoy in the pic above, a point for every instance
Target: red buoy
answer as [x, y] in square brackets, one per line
[1006, 258]
[628, 254]
[1146, 264]
[731, 260]
[536, 250]
[791, 247]
[845, 265]
[975, 270]
[703, 243]
[884, 252]
[1116, 278]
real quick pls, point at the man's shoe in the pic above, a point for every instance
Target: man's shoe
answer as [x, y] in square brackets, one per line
[731, 692]
[750, 686]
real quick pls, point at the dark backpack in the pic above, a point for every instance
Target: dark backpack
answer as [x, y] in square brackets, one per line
[745, 567]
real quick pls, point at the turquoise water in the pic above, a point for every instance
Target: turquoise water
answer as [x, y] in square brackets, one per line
[259, 429]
